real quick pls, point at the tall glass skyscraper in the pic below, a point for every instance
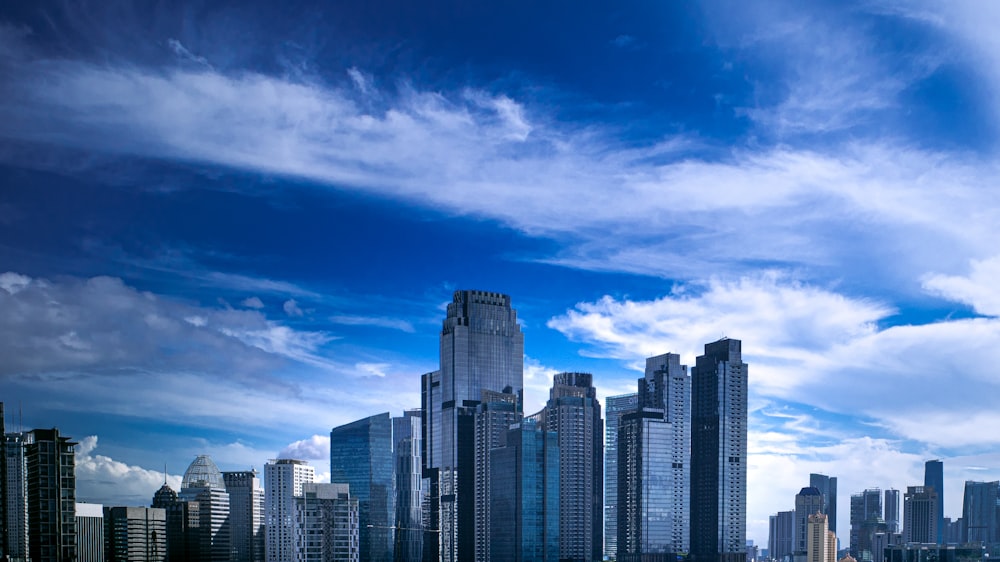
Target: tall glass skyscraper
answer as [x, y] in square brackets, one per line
[615, 407]
[246, 515]
[981, 513]
[934, 476]
[827, 485]
[891, 507]
[574, 414]
[719, 454]
[361, 455]
[482, 348]
[406, 437]
[494, 416]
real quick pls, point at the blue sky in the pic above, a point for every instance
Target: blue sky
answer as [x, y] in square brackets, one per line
[226, 227]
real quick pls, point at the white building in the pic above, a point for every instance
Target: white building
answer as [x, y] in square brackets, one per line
[283, 482]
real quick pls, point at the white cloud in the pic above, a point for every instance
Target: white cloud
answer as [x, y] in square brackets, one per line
[374, 369]
[382, 322]
[292, 308]
[252, 302]
[314, 448]
[101, 479]
[978, 289]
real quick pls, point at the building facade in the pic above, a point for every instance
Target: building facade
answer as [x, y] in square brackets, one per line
[981, 513]
[14, 503]
[410, 493]
[827, 485]
[329, 519]
[718, 454]
[494, 416]
[780, 540]
[934, 478]
[866, 520]
[246, 514]
[361, 455]
[135, 534]
[574, 414]
[893, 523]
[920, 508]
[203, 484]
[50, 468]
[821, 544]
[615, 407]
[481, 348]
[283, 482]
[808, 502]
[90, 532]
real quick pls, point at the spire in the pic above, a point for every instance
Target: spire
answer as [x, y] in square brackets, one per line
[164, 474]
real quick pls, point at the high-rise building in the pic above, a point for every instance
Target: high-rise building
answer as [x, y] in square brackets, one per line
[283, 481]
[361, 456]
[821, 543]
[980, 517]
[827, 485]
[808, 502]
[135, 534]
[89, 532]
[574, 414]
[866, 519]
[934, 478]
[892, 522]
[780, 539]
[406, 436]
[203, 484]
[494, 415]
[183, 524]
[524, 520]
[615, 406]
[937, 552]
[482, 348]
[246, 515]
[654, 453]
[328, 516]
[14, 504]
[719, 454]
[51, 490]
[3, 483]
[920, 514]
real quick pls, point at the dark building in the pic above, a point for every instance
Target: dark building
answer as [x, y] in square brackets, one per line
[574, 414]
[481, 348]
[779, 544]
[920, 508]
[135, 534]
[524, 520]
[246, 515]
[51, 486]
[809, 501]
[981, 514]
[494, 416]
[866, 520]
[615, 406]
[410, 495]
[827, 485]
[934, 553]
[361, 456]
[934, 478]
[718, 454]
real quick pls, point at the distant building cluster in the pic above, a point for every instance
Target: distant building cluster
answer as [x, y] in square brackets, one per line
[467, 476]
[882, 531]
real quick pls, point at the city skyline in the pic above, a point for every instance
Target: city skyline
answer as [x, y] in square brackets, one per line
[227, 228]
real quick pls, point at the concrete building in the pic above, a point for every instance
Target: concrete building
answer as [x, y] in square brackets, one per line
[780, 536]
[719, 454]
[614, 407]
[821, 542]
[90, 532]
[808, 502]
[283, 482]
[135, 534]
[246, 515]
[50, 467]
[920, 508]
[329, 519]
[481, 348]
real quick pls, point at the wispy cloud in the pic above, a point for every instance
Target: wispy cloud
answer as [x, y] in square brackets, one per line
[380, 321]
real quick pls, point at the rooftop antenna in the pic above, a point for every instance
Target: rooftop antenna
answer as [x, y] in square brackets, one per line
[20, 418]
[164, 474]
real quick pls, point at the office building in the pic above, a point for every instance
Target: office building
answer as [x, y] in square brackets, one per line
[283, 481]
[574, 414]
[14, 504]
[718, 454]
[827, 485]
[866, 520]
[980, 506]
[496, 412]
[808, 502]
[615, 406]
[361, 456]
[135, 534]
[246, 515]
[920, 508]
[654, 456]
[934, 478]
[821, 542]
[50, 467]
[891, 506]
[328, 516]
[524, 520]
[410, 494]
[90, 532]
[203, 483]
[780, 536]
[935, 552]
[481, 348]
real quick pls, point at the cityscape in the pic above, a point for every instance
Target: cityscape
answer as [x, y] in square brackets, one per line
[323, 279]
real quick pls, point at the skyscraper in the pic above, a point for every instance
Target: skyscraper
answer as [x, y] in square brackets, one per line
[328, 516]
[615, 406]
[827, 485]
[135, 534]
[866, 520]
[574, 414]
[891, 506]
[780, 533]
[821, 544]
[808, 502]
[15, 497]
[51, 490]
[203, 484]
[361, 456]
[246, 515]
[980, 513]
[524, 520]
[920, 514]
[482, 348]
[283, 481]
[718, 454]
[654, 455]
[494, 416]
[934, 477]
[406, 437]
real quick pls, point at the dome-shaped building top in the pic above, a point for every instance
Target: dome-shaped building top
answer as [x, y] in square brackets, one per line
[203, 473]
